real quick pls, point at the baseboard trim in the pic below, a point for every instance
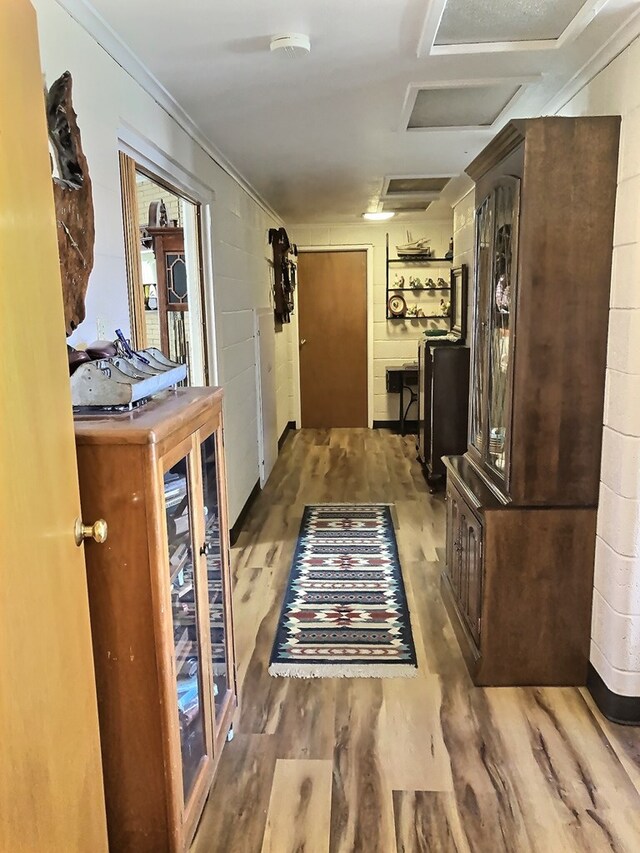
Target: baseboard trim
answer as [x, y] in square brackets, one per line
[410, 427]
[236, 530]
[619, 709]
[285, 432]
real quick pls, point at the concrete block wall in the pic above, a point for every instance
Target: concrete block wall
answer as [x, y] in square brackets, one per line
[239, 226]
[394, 341]
[464, 246]
[615, 637]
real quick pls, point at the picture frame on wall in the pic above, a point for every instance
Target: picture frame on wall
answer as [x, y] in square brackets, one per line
[459, 295]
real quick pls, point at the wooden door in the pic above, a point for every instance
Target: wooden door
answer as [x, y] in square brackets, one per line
[332, 305]
[51, 795]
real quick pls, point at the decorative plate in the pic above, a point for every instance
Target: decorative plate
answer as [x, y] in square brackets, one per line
[397, 306]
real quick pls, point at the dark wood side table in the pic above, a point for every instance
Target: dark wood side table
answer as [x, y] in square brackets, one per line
[399, 380]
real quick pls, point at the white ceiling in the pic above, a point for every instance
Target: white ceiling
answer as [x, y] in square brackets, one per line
[316, 136]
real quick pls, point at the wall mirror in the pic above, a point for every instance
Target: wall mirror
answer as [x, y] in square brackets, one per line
[164, 269]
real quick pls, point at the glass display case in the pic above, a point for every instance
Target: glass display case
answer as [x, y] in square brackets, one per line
[161, 613]
[496, 241]
[184, 611]
[522, 500]
[216, 581]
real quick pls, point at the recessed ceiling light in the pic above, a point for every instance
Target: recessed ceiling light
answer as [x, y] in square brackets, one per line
[379, 217]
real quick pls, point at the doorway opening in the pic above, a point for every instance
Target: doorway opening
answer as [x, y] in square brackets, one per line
[162, 231]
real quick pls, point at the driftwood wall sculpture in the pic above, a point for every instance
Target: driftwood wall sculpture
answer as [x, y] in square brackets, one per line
[73, 201]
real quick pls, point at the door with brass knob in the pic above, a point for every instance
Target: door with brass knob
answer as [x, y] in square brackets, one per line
[96, 531]
[51, 792]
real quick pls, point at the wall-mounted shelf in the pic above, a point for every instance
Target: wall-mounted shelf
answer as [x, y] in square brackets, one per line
[416, 259]
[409, 262]
[420, 289]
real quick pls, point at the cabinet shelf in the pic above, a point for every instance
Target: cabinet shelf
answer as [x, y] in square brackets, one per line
[419, 259]
[420, 289]
[422, 317]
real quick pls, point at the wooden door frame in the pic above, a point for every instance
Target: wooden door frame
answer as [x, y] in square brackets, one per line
[158, 167]
[295, 328]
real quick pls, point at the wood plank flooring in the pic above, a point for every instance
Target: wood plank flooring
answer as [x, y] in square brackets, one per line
[400, 765]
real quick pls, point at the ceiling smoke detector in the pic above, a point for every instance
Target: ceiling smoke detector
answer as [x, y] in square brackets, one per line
[291, 44]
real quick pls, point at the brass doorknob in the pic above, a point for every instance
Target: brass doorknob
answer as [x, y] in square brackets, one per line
[97, 531]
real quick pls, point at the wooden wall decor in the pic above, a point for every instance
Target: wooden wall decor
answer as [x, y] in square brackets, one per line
[73, 200]
[284, 275]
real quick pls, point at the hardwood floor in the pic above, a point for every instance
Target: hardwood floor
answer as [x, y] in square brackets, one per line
[400, 765]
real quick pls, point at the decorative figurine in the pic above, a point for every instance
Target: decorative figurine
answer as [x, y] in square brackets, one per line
[449, 254]
[399, 281]
[442, 283]
[415, 283]
[430, 282]
[445, 307]
[415, 247]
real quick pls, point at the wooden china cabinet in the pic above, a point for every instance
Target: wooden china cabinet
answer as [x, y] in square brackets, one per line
[160, 604]
[522, 501]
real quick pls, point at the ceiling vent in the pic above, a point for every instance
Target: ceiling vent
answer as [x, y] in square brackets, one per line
[404, 186]
[473, 22]
[467, 106]
[291, 44]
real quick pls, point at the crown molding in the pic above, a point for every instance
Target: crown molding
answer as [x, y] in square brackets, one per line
[104, 35]
[613, 47]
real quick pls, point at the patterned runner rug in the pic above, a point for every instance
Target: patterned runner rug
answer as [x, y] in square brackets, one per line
[345, 610]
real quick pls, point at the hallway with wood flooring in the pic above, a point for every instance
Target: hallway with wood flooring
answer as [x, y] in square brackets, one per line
[400, 765]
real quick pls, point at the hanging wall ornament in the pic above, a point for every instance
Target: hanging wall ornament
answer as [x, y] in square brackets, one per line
[283, 283]
[73, 201]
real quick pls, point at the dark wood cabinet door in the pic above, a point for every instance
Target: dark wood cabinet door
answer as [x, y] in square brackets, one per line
[453, 540]
[472, 548]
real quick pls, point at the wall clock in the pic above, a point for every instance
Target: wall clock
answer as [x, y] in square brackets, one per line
[397, 306]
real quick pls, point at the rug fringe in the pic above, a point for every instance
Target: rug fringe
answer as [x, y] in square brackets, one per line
[310, 670]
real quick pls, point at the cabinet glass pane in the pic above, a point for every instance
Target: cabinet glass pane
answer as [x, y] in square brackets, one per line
[185, 622]
[215, 576]
[484, 224]
[500, 342]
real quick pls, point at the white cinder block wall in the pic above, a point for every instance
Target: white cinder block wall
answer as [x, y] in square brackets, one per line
[106, 99]
[394, 341]
[464, 247]
[615, 645]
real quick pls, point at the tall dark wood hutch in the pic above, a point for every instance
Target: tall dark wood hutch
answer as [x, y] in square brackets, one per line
[522, 501]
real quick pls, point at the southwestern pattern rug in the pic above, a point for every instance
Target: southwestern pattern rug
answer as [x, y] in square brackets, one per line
[345, 611]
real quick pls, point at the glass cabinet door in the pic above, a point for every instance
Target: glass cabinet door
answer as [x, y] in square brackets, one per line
[216, 579]
[503, 282]
[484, 238]
[182, 578]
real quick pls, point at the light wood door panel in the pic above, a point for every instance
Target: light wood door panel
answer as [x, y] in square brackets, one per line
[51, 795]
[332, 305]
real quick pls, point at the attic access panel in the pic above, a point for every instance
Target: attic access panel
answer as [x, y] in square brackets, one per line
[489, 21]
[464, 106]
